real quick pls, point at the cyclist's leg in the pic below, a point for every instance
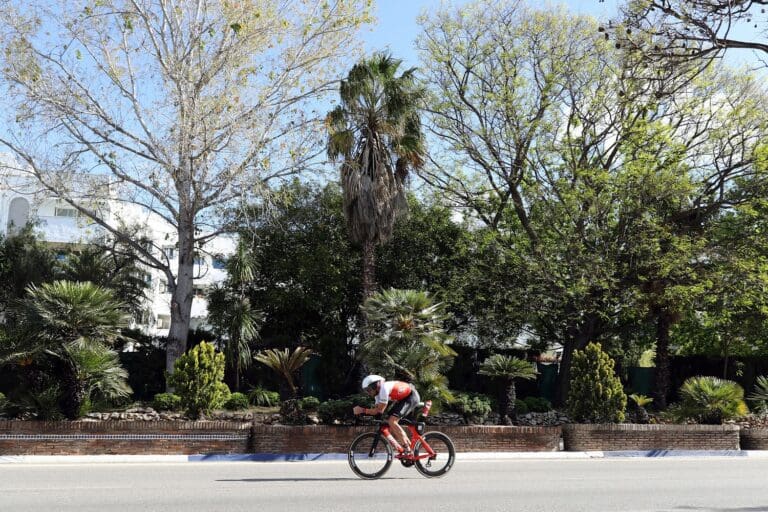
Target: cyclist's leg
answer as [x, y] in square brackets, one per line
[398, 410]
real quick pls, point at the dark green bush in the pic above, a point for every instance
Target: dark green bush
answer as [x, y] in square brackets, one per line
[521, 407]
[537, 404]
[166, 402]
[263, 397]
[340, 411]
[309, 404]
[474, 407]
[236, 402]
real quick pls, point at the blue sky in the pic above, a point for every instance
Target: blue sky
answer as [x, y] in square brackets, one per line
[397, 29]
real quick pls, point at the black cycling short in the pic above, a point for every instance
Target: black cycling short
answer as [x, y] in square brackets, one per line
[404, 407]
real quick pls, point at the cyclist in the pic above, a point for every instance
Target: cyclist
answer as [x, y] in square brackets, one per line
[405, 399]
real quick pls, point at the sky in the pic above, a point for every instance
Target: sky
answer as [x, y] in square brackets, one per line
[397, 28]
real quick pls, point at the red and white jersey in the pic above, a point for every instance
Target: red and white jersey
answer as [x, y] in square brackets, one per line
[392, 390]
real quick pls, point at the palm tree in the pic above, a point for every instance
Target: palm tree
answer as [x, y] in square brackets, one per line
[285, 363]
[376, 131]
[507, 369]
[107, 268]
[231, 313]
[407, 340]
[71, 327]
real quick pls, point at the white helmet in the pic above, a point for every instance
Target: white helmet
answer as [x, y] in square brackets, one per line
[371, 379]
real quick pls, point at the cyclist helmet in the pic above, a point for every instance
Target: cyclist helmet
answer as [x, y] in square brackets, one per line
[371, 380]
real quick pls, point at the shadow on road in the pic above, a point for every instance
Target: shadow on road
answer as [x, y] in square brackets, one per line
[298, 479]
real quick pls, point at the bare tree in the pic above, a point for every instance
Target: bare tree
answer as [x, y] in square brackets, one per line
[185, 108]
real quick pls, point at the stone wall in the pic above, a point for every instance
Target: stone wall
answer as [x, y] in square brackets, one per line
[610, 437]
[754, 438]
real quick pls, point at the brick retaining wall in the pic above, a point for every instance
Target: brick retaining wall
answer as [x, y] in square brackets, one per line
[123, 437]
[203, 437]
[610, 437]
[754, 438]
[330, 439]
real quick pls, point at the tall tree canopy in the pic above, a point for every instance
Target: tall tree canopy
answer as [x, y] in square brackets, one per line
[181, 107]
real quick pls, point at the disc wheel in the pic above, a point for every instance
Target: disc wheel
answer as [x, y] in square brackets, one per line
[370, 456]
[445, 455]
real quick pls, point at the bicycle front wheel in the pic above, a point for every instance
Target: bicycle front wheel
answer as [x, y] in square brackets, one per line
[369, 455]
[442, 461]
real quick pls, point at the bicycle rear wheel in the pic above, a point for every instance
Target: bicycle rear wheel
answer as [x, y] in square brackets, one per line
[442, 461]
[369, 455]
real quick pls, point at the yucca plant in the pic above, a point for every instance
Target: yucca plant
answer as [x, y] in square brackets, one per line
[709, 400]
[285, 363]
[638, 413]
[507, 369]
[759, 396]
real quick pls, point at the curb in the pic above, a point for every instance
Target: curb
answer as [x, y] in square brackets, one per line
[336, 457]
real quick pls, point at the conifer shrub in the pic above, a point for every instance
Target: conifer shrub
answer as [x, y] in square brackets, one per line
[596, 394]
[166, 402]
[198, 378]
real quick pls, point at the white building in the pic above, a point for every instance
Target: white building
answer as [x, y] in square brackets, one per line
[60, 224]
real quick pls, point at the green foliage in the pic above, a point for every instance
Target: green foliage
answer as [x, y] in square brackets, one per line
[759, 396]
[166, 402]
[198, 379]
[236, 402]
[596, 394]
[521, 407]
[309, 403]
[537, 404]
[640, 400]
[340, 411]
[474, 407]
[263, 398]
[507, 369]
[285, 363]
[67, 329]
[647, 359]
[24, 260]
[709, 400]
[406, 340]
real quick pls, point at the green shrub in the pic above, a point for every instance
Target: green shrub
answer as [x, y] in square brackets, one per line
[759, 396]
[596, 394]
[166, 402]
[521, 407]
[236, 402]
[537, 404]
[709, 400]
[309, 403]
[198, 379]
[474, 407]
[333, 411]
[263, 397]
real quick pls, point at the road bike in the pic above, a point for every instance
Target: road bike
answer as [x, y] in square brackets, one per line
[371, 453]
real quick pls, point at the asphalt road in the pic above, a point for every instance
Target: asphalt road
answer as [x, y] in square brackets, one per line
[638, 484]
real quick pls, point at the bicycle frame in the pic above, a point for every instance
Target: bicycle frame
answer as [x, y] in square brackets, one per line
[415, 437]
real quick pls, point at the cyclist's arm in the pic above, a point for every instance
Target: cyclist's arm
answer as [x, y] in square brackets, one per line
[376, 409]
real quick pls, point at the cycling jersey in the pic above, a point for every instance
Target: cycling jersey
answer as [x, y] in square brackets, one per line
[394, 390]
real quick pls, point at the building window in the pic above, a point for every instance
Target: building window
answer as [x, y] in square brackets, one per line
[163, 322]
[219, 263]
[148, 279]
[199, 292]
[199, 261]
[65, 212]
[169, 252]
[164, 288]
[18, 214]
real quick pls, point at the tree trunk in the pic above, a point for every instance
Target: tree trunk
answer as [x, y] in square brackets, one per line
[509, 414]
[369, 269]
[580, 336]
[74, 394]
[181, 298]
[663, 324]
